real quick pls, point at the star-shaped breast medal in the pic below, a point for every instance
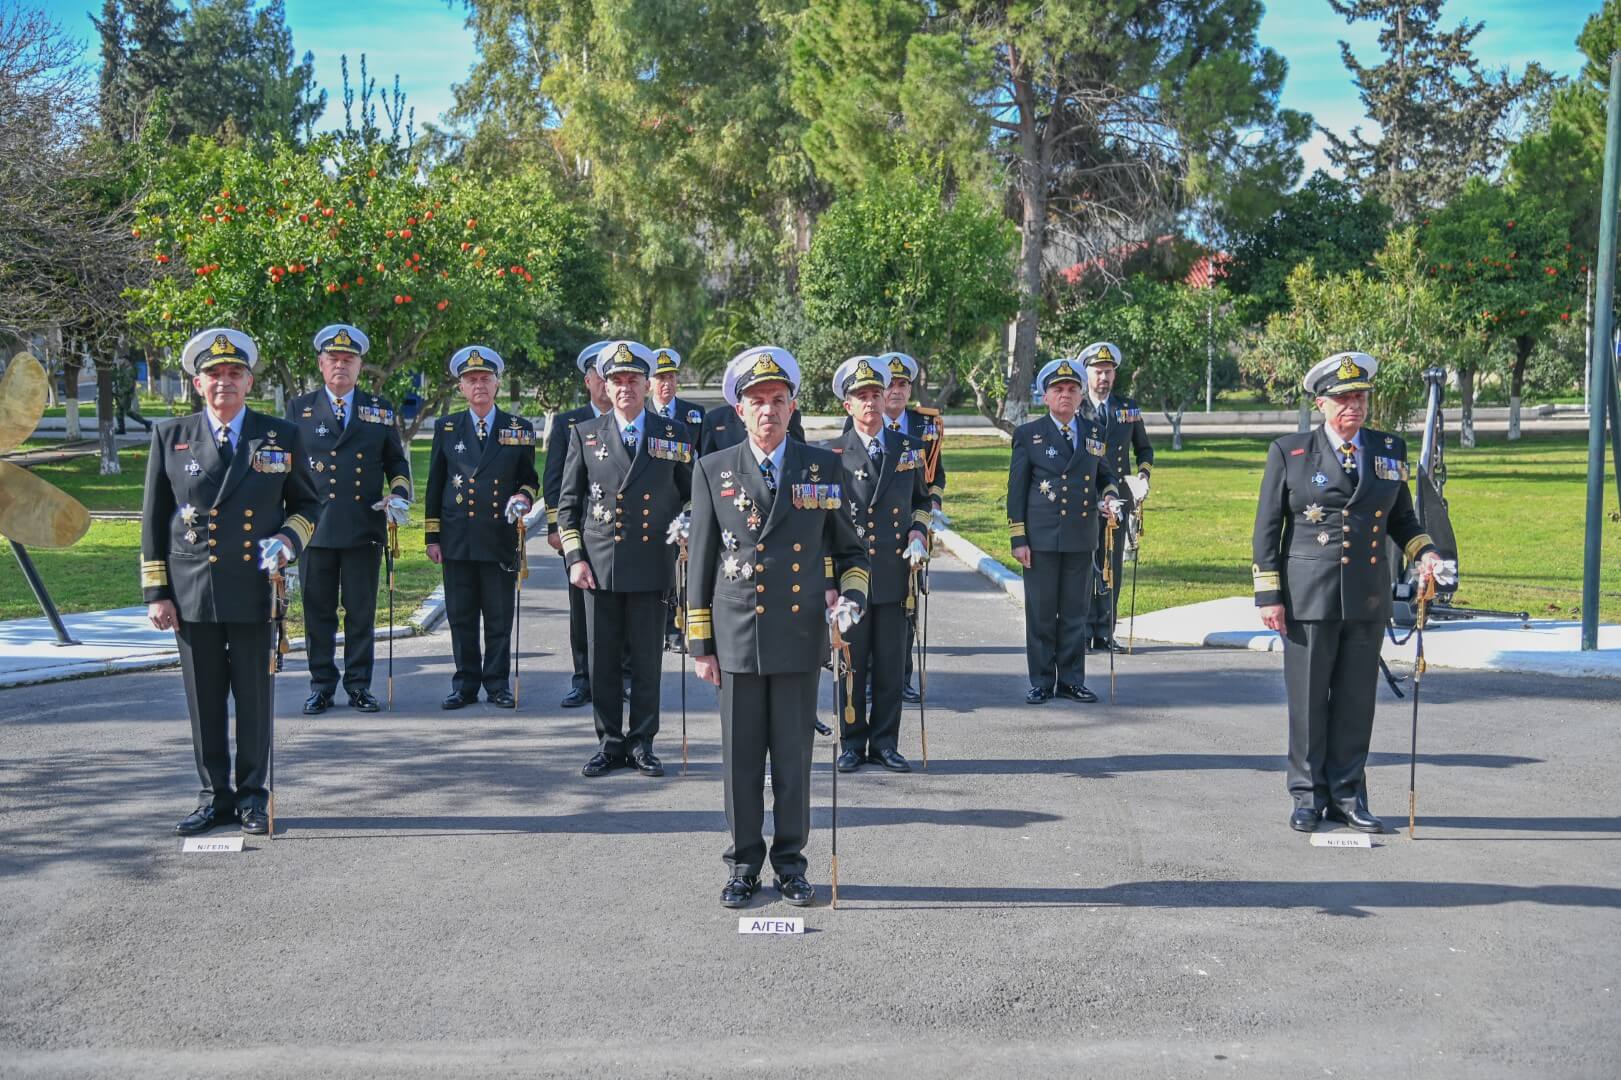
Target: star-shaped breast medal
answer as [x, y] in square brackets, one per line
[188, 514]
[1046, 487]
[1323, 538]
[728, 540]
[747, 570]
[191, 536]
[1313, 513]
[596, 490]
[729, 567]
[456, 480]
[193, 469]
[1320, 480]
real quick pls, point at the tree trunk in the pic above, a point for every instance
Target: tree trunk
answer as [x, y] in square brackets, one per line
[1175, 420]
[1031, 174]
[106, 413]
[1304, 423]
[1466, 407]
[1516, 383]
[70, 392]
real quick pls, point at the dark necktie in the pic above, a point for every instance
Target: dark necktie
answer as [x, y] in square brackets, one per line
[769, 475]
[339, 411]
[1348, 459]
[226, 453]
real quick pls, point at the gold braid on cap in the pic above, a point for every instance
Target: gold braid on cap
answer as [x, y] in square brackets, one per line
[1350, 369]
[222, 346]
[765, 365]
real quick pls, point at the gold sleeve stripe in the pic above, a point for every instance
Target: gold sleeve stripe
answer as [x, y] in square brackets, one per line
[551, 515]
[300, 526]
[1145, 466]
[1266, 580]
[1417, 544]
[529, 490]
[827, 566]
[571, 541]
[401, 484]
[699, 624]
[1111, 490]
[154, 574]
[855, 580]
[922, 517]
[431, 524]
[1015, 528]
[937, 491]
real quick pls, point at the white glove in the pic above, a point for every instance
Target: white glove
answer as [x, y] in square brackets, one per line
[396, 509]
[680, 529]
[1139, 488]
[916, 552]
[846, 613]
[1111, 506]
[937, 520]
[273, 553]
[517, 507]
[1447, 572]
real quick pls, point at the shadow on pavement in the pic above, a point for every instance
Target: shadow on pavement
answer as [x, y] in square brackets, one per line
[1115, 765]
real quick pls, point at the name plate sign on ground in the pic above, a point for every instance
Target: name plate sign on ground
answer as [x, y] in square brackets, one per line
[746, 925]
[211, 843]
[1349, 840]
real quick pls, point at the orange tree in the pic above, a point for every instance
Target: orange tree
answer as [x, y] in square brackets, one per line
[424, 262]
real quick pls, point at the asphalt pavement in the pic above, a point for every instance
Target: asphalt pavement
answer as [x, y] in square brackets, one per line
[1069, 890]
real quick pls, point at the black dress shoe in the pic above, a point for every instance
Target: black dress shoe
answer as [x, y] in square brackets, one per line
[890, 759]
[739, 891]
[456, 700]
[255, 821]
[203, 819]
[317, 703]
[364, 701]
[910, 695]
[1036, 695]
[602, 763]
[1305, 819]
[1107, 644]
[796, 890]
[821, 728]
[1357, 817]
[850, 760]
[673, 643]
[1076, 693]
[646, 763]
[576, 698]
[501, 699]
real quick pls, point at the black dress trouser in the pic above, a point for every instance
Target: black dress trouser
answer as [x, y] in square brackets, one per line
[346, 577]
[476, 591]
[626, 631]
[1331, 674]
[222, 662]
[1105, 608]
[764, 715]
[877, 651]
[1057, 599]
[579, 640]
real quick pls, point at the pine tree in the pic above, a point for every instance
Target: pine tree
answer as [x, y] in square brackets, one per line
[1442, 119]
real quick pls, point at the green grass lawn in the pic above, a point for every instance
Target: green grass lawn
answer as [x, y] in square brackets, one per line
[1518, 509]
[103, 569]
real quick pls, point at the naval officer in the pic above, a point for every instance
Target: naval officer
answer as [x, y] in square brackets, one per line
[228, 498]
[768, 534]
[1331, 501]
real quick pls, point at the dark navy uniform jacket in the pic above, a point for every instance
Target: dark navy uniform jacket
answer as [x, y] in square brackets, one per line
[887, 506]
[1320, 541]
[354, 468]
[1053, 490]
[469, 485]
[201, 522]
[615, 510]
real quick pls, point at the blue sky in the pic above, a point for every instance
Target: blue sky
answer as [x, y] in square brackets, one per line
[426, 43]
